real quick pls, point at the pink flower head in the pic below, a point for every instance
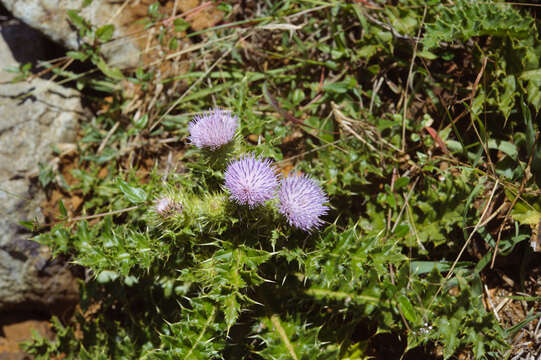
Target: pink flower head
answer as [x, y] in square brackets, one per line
[213, 129]
[301, 202]
[251, 181]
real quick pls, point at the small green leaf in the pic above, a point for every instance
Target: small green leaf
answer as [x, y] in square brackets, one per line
[527, 217]
[76, 19]
[231, 310]
[134, 195]
[516, 328]
[106, 276]
[524, 298]
[62, 208]
[531, 75]
[180, 25]
[504, 146]
[427, 55]
[173, 43]
[109, 71]
[105, 33]
[130, 280]
[367, 51]
[407, 309]
[401, 182]
[331, 64]
[29, 225]
[534, 93]
[141, 122]
[46, 174]
[423, 267]
[298, 96]
[77, 55]
[226, 8]
[338, 87]
[401, 230]
[153, 9]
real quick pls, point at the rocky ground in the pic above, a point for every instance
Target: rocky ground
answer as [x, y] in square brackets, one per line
[35, 116]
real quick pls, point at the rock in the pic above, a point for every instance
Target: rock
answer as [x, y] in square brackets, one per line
[31, 281]
[129, 38]
[51, 18]
[34, 116]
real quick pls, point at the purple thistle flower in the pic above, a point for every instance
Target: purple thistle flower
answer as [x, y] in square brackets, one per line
[213, 129]
[251, 181]
[301, 202]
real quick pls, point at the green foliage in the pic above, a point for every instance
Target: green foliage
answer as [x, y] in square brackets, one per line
[46, 174]
[408, 190]
[374, 280]
[467, 19]
[198, 335]
[291, 340]
[514, 48]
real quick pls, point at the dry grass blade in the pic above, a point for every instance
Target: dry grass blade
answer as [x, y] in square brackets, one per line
[345, 123]
[369, 131]
[107, 137]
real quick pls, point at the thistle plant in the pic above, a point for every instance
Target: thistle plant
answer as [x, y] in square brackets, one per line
[251, 181]
[247, 268]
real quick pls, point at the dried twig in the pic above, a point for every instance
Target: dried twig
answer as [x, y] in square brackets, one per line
[491, 303]
[107, 137]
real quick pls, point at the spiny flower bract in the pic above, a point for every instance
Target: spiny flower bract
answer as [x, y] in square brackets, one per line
[301, 202]
[165, 206]
[213, 129]
[251, 181]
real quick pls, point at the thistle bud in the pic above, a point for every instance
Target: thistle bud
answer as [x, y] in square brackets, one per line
[166, 207]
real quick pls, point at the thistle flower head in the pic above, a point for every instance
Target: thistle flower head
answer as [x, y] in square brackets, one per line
[251, 181]
[301, 202]
[213, 129]
[165, 206]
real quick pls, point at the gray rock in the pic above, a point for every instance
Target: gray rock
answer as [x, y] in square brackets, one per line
[34, 116]
[50, 17]
[31, 281]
